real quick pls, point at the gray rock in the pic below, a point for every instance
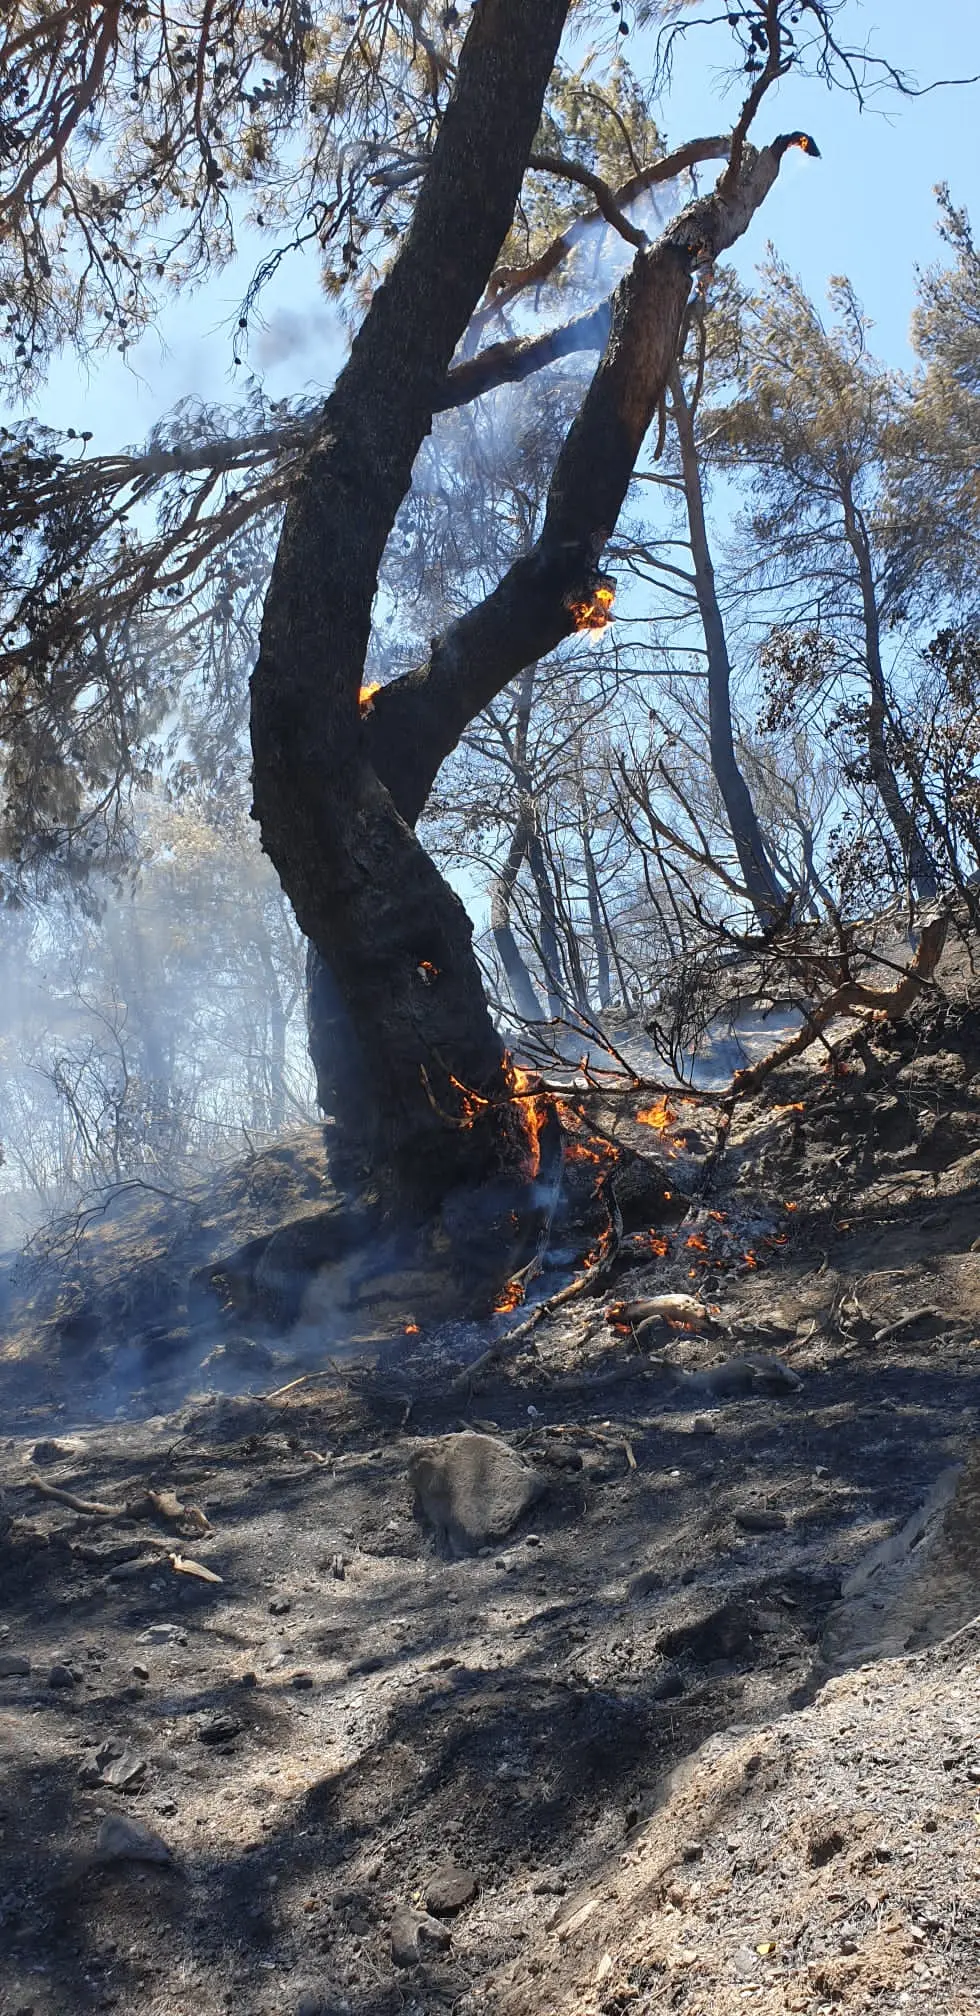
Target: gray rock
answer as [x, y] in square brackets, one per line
[13, 1665]
[125, 1773]
[223, 1729]
[163, 1634]
[757, 1519]
[449, 1890]
[62, 1675]
[413, 1933]
[122, 1840]
[471, 1489]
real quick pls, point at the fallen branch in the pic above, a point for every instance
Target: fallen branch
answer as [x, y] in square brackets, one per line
[905, 1322]
[90, 1508]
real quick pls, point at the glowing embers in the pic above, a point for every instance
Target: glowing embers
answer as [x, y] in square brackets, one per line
[511, 1296]
[365, 698]
[593, 612]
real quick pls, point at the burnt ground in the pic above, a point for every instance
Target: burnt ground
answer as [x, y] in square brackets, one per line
[621, 1721]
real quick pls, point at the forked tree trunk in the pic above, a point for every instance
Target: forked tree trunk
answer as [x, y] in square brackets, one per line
[428, 1103]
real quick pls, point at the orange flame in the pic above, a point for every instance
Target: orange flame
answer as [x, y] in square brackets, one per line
[659, 1244]
[365, 698]
[411, 1330]
[594, 612]
[750, 1260]
[426, 971]
[533, 1107]
[511, 1296]
[700, 1245]
[660, 1115]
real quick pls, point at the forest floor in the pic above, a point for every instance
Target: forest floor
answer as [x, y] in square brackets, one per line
[665, 1747]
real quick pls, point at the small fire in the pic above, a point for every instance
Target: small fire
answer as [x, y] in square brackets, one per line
[426, 971]
[533, 1107]
[659, 1244]
[695, 1240]
[595, 612]
[511, 1296]
[411, 1330]
[365, 698]
[718, 1216]
[750, 1260]
[794, 1106]
[791, 1207]
[660, 1115]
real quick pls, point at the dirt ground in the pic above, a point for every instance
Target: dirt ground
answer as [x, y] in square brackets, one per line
[667, 1759]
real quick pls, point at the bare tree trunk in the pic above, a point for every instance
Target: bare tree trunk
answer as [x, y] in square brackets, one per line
[603, 976]
[767, 897]
[518, 978]
[919, 864]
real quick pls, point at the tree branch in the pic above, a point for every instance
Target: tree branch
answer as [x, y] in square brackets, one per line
[417, 721]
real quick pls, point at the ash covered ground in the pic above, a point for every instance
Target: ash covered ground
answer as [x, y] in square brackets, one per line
[679, 1739]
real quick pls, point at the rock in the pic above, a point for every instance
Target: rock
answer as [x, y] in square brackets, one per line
[120, 1840]
[338, 1567]
[14, 1665]
[140, 1672]
[62, 1675]
[303, 1681]
[280, 1606]
[371, 1663]
[412, 1932]
[125, 1773]
[56, 1451]
[756, 1519]
[163, 1634]
[449, 1890]
[471, 1489]
[223, 1729]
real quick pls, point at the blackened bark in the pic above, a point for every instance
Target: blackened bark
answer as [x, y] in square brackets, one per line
[417, 721]
[337, 796]
[768, 899]
[395, 937]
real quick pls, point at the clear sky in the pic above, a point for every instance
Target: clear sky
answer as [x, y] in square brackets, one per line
[865, 209]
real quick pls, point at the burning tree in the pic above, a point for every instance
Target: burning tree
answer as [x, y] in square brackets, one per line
[394, 127]
[338, 792]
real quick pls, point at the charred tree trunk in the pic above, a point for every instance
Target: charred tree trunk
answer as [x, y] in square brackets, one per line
[768, 899]
[337, 794]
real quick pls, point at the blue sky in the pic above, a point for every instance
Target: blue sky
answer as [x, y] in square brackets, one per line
[865, 209]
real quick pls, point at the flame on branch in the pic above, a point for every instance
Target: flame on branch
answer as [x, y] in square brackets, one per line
[365, 698]
[527, 1102]
[594, 612]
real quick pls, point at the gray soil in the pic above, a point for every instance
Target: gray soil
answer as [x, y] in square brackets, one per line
[639, 1754]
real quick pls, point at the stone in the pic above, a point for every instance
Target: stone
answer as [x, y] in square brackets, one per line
[14, 1665]
[140, 1672]
[471, 1489]
[303, 1681]
[62, 1675]
[125, 1773]
[757, 1519]
[223, 1729]
[163, 1634]
[449, 1890]
[50, 1450]
[412, 1933]
[120, 1839]
[280, 1606]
